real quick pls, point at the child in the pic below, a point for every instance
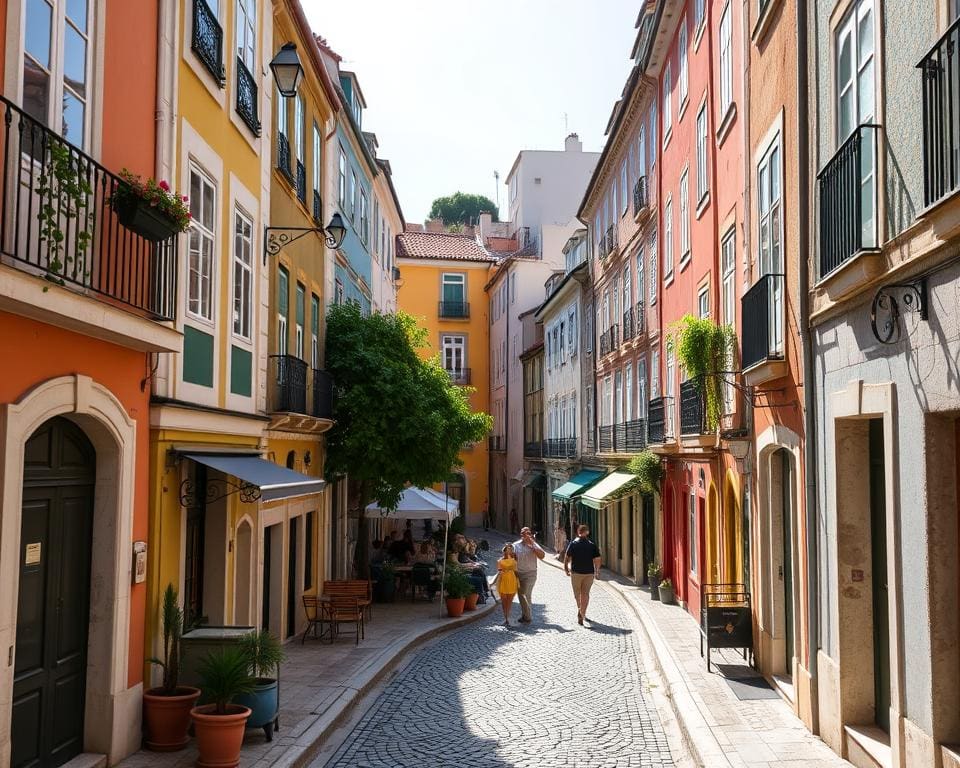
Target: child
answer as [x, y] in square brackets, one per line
[507, 566]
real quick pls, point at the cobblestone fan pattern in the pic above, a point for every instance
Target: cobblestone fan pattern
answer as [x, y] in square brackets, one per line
[547, 694]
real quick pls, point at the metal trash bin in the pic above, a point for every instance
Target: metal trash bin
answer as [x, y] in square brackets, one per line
[197, 643]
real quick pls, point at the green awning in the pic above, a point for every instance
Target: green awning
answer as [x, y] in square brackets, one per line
[577, 484]
[606, 489]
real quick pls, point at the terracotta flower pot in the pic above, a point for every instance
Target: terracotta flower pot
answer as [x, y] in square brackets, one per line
[219, 737]
[470, 601]
[166, 718]
[455, 606]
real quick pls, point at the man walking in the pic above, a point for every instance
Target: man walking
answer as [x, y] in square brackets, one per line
[527, 552]
[583, 558]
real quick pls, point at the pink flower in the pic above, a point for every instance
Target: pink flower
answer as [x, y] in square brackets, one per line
[184, 198]
[164, 186]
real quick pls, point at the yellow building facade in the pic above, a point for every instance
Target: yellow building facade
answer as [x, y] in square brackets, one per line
[441, 280]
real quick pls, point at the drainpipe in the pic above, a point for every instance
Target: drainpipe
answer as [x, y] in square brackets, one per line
[809, 401]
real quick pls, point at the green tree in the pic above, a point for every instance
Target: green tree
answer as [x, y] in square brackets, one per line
[462, 208]
[398, 418]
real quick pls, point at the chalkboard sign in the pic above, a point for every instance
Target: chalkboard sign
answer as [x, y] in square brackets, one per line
[725, 619]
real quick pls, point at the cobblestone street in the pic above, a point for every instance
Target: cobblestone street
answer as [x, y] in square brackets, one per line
[548, 694]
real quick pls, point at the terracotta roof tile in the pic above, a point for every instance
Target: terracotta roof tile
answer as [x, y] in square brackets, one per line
[441, 245]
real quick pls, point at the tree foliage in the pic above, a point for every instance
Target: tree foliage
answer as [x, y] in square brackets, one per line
[398, 418]
[706, 351]
[462, 208]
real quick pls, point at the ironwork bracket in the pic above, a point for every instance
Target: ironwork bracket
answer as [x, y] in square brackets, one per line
[889, 303]
[216, 490]
[276, 238]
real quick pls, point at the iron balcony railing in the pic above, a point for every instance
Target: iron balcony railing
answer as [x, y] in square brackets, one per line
[659, 426]
[247, 102]
[611, 238]
[207, 40]
[317, 209]
[941, 116]
[454, 309]
[640, 197]
[460, 376]
[602, 246]
[605, 441]
[634, 436]
[283, 157]
[560, 448]
[301, 182]
[58, 221]
[322, 394]
[692, 411]
[639, 319]
[497, 443]
[629, 328]
[533, 449]
[848, 199]
[608, 340]
[762, 326]
[287, 392]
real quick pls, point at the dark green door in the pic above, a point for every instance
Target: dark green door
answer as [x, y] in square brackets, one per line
[786, 505]
[649, 535]
[878, 542]
[293, 528]
[49, 678]
[265, 605]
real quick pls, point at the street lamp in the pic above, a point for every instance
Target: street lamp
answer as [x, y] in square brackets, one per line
[287, 70]
[275, 238]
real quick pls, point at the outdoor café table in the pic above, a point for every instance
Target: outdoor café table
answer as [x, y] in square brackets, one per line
[405, 574]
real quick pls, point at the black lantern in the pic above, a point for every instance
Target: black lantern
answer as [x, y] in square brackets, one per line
[287, 70]
[335, 231]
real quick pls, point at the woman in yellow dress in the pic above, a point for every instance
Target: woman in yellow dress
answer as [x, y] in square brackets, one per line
[508, 582]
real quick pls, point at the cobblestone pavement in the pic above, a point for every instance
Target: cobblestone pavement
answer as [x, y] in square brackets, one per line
[547, 694]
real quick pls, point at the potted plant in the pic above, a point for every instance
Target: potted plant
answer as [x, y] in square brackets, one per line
[470, 601]
[149, 208]
[219, 725]
[386, 585]
[457, 586]
[666, 592]
[653, 579]
[166, 709]
[264, 655]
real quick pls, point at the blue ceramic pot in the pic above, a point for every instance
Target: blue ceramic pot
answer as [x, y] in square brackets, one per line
[264, 703]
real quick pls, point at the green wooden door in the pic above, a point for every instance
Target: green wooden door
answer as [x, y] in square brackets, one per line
[49, 678]
[786, 506]
[649, 535]
[878, 541]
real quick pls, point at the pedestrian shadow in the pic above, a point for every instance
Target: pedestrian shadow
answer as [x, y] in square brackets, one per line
[537, 628]
[606, 629]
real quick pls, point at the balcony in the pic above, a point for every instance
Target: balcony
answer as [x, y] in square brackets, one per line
[207, 41]
[629, 329]
[533, 450]
[692, 409]
[287, 392]
[641, 200]
[317, 209]
[560, 448]
[301, 182]
[57, 223]
[454, 310]
[611, 238]
[322, 394]
[608, 340]
[660, 420]
[625, 437]
[848, 200]
[639, 319]
[940, 76]
[283, 158]
[247, 106]
[605, 441]
[602, 246]
[497, 443]
[460, 376]
[762, 308]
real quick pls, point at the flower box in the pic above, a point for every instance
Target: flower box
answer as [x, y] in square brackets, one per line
[139, 216]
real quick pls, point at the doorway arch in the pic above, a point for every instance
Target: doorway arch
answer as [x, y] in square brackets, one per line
[733, 571]
[243, 568]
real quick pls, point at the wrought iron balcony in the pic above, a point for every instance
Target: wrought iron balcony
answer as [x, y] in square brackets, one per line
[605, 442]
[301, 182]
[940, 73]
[602, 246]
[461, 376]
[57, 222]
[639, 318]
[317, 209]
[454, 309]
[247, 102]
[497, 443]
[608, 340]
[207, 40]
[659, 425]
[640, 197]
[629, 329]
[762, 308]
[634, 436]
[848, 199]
[322, 394]
[611, 238]
[692, 408]
[560, 448]
[533, 450]
[287, 390]
[283, 157]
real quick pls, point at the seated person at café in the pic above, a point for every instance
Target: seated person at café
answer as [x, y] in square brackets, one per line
[377, 552]
[425, 554]
[397, 548]
[474, 567]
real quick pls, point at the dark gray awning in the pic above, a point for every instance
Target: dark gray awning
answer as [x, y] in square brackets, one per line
[274, 481]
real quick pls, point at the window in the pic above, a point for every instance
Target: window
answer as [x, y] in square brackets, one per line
[653, 136]
[671, 407]
[364, 222]
[453, 353]
[242, 274]
[653, 268]
[337, 292]
[562, 343]
[692, 528]
[317, 160]
[588, 317]
[627, 288]
[698, 8]
[354, 188]
[623, 188]
[572, 330]
[56, 64]
[300, 128]
[301, 319]
[618, 397]
[728, 306]
[342, 181]
[640, 275]
[684, 215]
[726, 63]
[641, 388]
[703, 183]
[855, 70]
[615, 292]
[628, 392]
[247, 33]
[667, 108]
[597, 233]
[513, 288]
[769, 208]
[590, 410]
[606, 413]
[283, 304]
[202, 232]
[682, 79]
[453, 294]
[655, 374]
[703, 302]
[314, 331]
[642, 153]
[668, 239]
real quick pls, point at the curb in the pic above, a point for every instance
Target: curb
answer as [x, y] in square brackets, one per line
[309, 741]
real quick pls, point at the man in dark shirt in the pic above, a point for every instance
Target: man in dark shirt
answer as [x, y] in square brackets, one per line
[583, 558]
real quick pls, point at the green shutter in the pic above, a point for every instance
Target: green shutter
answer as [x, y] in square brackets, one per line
[241, 371]
[315, 315]
[300, 304]
[283, 292]
[197, 357]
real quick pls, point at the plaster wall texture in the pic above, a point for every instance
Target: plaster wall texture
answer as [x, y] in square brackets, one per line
[563, 176]
[562, 376]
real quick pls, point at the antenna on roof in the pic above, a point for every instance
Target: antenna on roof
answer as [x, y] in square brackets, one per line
[496, 184]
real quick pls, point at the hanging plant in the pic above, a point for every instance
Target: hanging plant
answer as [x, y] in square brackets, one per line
[64, 192]
[705, 351]
[150, 208]
[648, 468]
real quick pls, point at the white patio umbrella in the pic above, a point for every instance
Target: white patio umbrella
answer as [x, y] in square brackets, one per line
[422, 504]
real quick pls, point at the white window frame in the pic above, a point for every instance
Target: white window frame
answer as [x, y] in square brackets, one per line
[655, 374]
[572, 330]
[668, 240]
[199, 304]
[703, 174]
[669, 391]
[364, 219]
[703, 302]
[725, 70]
[628, 392]
[314, 331]
[317, 158]
[642, 397]
[242, 275]
[298, 294]
[728, 309]
[770, 208]
[684, 217]
[341, 180]
[454, 346]
[654, 278]
[300, 129]
[683, 80]
[667, 105]
[624, 203]
[282, 319]
[246, 30]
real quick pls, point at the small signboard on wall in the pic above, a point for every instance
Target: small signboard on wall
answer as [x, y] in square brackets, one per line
[139, 562]
[31, 555]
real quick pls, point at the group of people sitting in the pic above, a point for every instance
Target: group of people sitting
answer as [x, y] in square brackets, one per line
[403, 549]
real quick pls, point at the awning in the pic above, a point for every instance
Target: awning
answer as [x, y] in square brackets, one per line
[535, 479]
[275, 482]
[418, 504]
[577, 484]
[606, 488]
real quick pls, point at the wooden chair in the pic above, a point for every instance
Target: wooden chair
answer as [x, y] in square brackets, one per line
[317, 614]
[358, 588]
[346, 610]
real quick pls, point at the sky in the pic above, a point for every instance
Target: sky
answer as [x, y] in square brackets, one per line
[456, 89]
